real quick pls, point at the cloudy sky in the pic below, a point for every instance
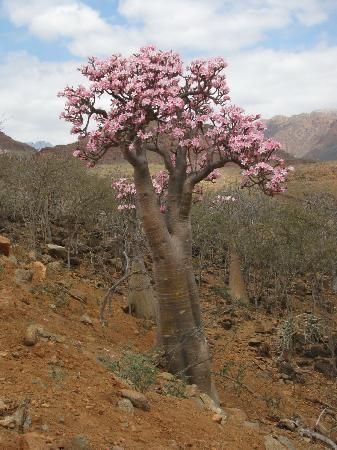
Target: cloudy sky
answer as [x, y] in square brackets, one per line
[282, 54]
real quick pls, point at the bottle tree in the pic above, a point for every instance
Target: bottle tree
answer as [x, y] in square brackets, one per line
[151, 103]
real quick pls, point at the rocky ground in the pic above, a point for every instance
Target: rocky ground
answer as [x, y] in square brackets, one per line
[57, 394]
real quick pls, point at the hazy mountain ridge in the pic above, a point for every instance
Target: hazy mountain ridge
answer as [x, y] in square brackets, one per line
[38, 145]
[308, 135]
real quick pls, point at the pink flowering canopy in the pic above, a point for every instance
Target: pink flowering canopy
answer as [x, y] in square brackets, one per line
[151, 101]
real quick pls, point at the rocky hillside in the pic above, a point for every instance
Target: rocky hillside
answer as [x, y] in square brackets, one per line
[311, 136]
[7, 144]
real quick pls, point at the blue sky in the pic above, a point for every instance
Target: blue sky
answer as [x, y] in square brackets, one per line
[282, 54]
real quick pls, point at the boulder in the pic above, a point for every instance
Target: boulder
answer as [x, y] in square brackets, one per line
[33, 441]
[39, 271]
[125, 405]
[5, 246]
[136, 398]
[79, 442]
[57, 251]
[32, 334]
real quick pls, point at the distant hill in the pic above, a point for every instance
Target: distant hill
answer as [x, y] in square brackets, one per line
[7, 144]
[326, 147]
[310, 136]
[111, 156]
[38, 145]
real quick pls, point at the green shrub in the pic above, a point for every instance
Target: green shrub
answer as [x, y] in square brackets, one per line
[134, 367]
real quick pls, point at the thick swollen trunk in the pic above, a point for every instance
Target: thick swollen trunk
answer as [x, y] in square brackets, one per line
[180, 332]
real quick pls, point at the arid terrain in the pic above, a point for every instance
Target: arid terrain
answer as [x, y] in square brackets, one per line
[60, 378]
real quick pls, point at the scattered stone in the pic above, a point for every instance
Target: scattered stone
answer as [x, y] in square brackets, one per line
[57, 251]
[79, 442]
[32, 334]
[86, 320]
[23, 276]
[5, 246]
[227, 324]
[287, 424]
[126, 405]
[33, 441]
[137, 399]
[271, 443]
[217, 418]
[286, 442]
[39, 271]
[254, 342]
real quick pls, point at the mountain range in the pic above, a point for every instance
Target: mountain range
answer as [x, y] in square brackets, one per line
[310, 136]
[39, 145]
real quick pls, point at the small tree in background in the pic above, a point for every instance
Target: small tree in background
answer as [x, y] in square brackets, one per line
[149, 103]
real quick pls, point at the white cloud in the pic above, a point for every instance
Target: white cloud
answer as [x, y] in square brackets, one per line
[213, 26]
[261, 80]
[279, 82]
[29, 103]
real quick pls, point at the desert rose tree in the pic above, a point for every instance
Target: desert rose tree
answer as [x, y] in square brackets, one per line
[150, 102]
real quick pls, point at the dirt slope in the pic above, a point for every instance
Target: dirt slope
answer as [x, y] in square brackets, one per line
[71, 394]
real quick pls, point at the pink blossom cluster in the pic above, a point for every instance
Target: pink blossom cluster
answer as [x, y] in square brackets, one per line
[150, 95]
[126, 191]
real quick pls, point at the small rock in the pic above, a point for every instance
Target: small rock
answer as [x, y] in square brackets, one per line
[137, 399]
[5, 246]
[287, 424]
[254, 342]
[227, 324]
[23, 276]
[217, 418]
[79, 442]
[39, 271]
[272, 443]
[32, 335]
[286, 442]
[45, 428]
[86, 320]
[33, 441]
[57, 251]
[126, 405]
